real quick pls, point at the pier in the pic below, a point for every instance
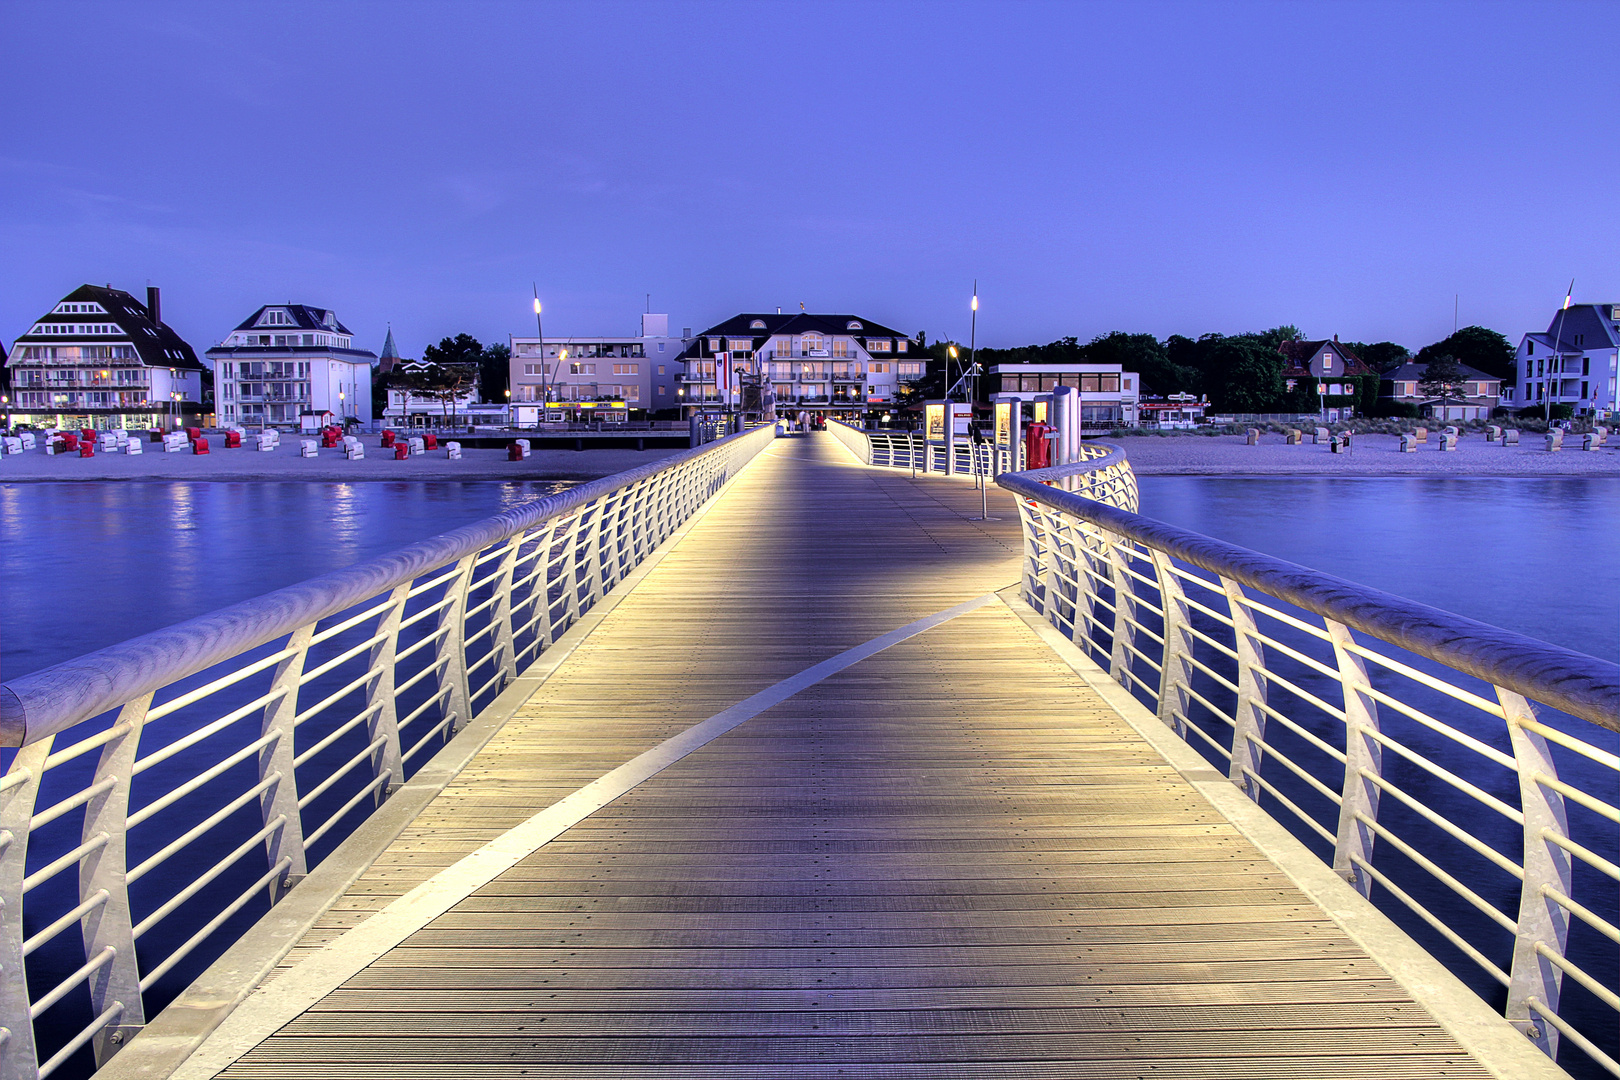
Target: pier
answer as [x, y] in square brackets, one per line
[814, 791]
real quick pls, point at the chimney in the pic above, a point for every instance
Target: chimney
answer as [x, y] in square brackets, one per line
[153, 307]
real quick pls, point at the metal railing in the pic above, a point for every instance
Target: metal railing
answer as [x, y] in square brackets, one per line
[1402, 743]
[145, 776]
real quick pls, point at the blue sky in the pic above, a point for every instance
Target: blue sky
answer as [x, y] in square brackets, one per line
[1159, 167]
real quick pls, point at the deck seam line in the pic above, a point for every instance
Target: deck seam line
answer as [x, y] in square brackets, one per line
[272, 1007]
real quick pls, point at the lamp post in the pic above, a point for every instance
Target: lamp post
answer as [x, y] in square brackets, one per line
[973, 351]
[509, 397]
[539, 332]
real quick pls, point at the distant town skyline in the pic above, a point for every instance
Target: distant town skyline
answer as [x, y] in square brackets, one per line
[1161, 168]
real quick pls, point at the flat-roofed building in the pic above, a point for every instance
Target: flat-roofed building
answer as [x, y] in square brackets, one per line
[288, 360]
[1109, 395]
[842, 365]
[642, 371]
[102, 359]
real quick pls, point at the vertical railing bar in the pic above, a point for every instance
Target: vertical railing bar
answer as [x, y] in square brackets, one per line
[384, 722]
[103, 870]
[1363, 761]
[1249, 721]
[19, 1059]
[453, 645]
[278, 757]
[1175, 677]
[502, 613]
[1542, 920]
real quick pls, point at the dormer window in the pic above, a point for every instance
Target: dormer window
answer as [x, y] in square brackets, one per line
[276, 317]
[1327, 361]
[854, 324]
[757, 324]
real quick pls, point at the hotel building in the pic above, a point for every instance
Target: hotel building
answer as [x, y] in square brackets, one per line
[286, 360]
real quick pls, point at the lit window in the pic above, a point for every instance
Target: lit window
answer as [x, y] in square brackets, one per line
[757, 324]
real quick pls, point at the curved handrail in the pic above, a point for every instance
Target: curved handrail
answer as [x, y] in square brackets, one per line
[45, 702]
[1581, 685]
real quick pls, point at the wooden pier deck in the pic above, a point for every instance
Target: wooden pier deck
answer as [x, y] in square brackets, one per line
[950, 858]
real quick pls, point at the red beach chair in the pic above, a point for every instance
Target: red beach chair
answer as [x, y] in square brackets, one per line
[401, 451]
[199, 445]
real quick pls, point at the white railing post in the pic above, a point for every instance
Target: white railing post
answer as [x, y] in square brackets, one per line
[592, 545]
[384, 720]
[1250, 720]
[276, 759]
[19, 1056]
[452, 650]
[572, 540]
[101, 873]
[1175, 678]
[1364, 757]
[1124, 632]
[502, 612]
[1535, 981]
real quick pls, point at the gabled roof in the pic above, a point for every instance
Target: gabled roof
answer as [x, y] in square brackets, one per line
[1411, 371]
[305, 317]
[155, 343]
[795, 322]
[1299, 353]
[1589, 321]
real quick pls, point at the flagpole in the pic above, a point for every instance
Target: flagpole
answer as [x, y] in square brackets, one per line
[1558, 354]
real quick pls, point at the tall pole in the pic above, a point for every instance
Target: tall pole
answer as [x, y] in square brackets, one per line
[973, 349]
[1557, 356]
[539, 332]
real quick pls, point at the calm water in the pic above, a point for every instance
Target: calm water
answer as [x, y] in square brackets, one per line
[86, 565]
[83, 566]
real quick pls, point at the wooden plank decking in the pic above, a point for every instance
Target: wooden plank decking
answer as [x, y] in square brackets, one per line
[951, 859]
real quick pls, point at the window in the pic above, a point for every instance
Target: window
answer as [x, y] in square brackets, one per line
[810, 342]
[660, 369]
[757, 324]
[660, 346]
[877, 368]
[1327, 361]
[632, 393]
[1529, 348]
[627, 369]
[911, 370]
[854, 324]
[874, 346]
[1584, 387]
[276, 317]
[740, 344]
[900, 346]
[714, 344]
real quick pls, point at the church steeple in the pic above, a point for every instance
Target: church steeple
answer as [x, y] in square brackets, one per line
[390, 353]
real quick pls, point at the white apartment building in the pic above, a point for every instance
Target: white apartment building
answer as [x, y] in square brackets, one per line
[1576, 362]
[100, 359]
[1110, 396]
[641, 371]
[828, 364]
[286, 360]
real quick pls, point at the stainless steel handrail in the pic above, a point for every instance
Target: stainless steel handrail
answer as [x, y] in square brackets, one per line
[402, 631]
[1187, 624]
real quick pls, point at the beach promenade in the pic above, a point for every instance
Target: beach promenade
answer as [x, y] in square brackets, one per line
[1177, 455]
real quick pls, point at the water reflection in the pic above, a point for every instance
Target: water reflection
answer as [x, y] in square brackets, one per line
[86, 565]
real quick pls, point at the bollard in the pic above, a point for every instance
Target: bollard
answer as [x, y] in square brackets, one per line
[1254, 437]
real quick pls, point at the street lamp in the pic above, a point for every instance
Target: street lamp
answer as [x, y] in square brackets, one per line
[540, 333]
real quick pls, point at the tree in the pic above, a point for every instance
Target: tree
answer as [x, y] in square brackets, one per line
[1444, 379]
[1249, 375]
[1381, 356]
[1142, 353]
[461, 349]
[440, 382]
[495, 372]
[1481, 349]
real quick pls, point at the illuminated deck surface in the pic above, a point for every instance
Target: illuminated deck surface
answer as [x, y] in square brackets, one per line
[952, 859]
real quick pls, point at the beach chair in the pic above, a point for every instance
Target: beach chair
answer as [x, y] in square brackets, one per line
[517, 450]
[353, 450]
[11, 445]
[28, 440]
[233, 439]
[199, 445]
[1254, 437]
[1448, 440]
[134, 447]
[1493, 434]
[1555, 440]
[430, 441]
[417, 446]
[402, 450]
[452, 451]
[1321, 436]
[307, 448]
[1408, 443]
[1294, 437]
[1422, 434]
[1590, 441]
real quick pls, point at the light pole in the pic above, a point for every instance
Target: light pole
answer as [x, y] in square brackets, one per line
[973, 351]
[540, 333]
[509, 398]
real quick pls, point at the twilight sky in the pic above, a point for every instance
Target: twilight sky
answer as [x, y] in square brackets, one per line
[1159, 167]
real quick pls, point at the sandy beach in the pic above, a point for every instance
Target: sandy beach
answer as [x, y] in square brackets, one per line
[1371, 455]
[1184, 455]
[285, 463]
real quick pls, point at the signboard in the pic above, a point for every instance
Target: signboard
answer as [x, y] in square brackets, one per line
[935, 424]
[1004, 423]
